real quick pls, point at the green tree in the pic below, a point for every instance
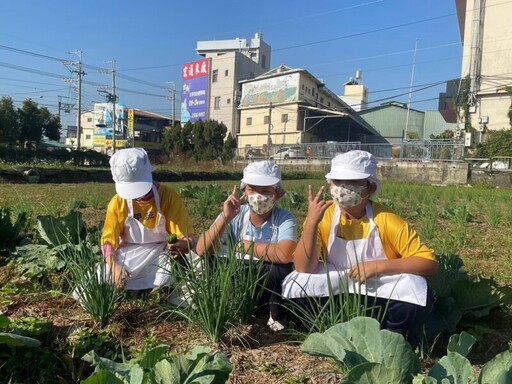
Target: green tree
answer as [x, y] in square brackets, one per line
[497, 143]
[186, 145]
[413, 135]
[51, 124]
[214, 133]
[9, 126]
[171, 138]
[447, 134]
[200, 143]
[36, 122]
[509, 113]
[229, 147]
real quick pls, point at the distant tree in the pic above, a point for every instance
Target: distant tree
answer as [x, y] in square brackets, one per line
[186, 145]
[203, 140]
[508, 89]
[412, 135]
[497, 143]
[447, 134]
[171, 141]
[9, 125]
[215, 134]
[36, 122]
[51, 124]
[229, 147]
[199, 141]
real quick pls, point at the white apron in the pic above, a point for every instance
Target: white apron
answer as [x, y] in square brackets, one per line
[141, 248]
[331, 277]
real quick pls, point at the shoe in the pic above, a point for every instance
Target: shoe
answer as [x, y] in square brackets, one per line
[275, 325]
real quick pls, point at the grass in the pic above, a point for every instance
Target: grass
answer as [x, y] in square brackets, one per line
[469, 222]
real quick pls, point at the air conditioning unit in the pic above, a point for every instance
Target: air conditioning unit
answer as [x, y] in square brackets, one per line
[483, 120]
[461, 126]
[481, 128]
[472, 109]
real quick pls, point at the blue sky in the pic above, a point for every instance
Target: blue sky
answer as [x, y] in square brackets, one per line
[151, 40]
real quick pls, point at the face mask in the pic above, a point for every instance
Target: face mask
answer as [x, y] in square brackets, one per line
[260, 204]
[346, 195]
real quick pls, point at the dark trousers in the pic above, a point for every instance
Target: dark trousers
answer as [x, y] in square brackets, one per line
[393, 315]
[273, 287]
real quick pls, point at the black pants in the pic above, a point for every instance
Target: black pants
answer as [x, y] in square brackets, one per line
[273, 287]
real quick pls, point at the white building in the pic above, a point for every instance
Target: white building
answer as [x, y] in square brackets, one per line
[232, 61]
[486, 34]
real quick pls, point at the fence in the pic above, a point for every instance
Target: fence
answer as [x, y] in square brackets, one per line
[414, 150]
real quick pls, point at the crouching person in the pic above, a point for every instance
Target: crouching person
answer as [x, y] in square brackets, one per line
[362, 246]
[261, 229]
[138, 221]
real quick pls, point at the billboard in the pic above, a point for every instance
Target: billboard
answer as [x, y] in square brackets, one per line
[194, 91]
[277, 89]
[102, 115]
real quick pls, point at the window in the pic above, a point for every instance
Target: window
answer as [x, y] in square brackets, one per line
[321, 100]
[263, 61]
[226, 72]
[89, 119]
[266, 119]
[87, 137]
[216, 102]
[248, 121]
[215, 75]
[228, 101]
[284, 118]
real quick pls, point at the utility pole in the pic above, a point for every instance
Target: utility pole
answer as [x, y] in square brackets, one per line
[114, 99]
[173, 101]
[173, 105]
[80, 73]
[269, 141]
[410, 91]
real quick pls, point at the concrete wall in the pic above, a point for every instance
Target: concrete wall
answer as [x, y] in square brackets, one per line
[443, 173]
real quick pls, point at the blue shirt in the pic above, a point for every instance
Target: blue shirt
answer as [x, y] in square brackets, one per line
[281, 225]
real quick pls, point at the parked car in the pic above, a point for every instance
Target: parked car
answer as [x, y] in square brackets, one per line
[254, 154]
[294, 152]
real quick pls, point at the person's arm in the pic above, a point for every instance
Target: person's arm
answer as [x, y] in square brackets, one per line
[406, 253]
[178, 222]
[211, 238]
[112, 230]
[306, 254]
[280, 252]
[414, 264]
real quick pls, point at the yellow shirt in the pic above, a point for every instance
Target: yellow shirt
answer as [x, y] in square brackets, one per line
[177, 219]
[398, 238]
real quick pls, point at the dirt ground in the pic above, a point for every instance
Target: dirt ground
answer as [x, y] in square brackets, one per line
[258, 355]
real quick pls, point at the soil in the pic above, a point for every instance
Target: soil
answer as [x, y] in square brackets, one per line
[258, 354]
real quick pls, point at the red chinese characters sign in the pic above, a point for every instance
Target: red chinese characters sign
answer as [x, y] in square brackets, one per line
[195, 69]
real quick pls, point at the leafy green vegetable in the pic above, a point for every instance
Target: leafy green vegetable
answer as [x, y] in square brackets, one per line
[153, 368]
[13, 340]
[172, 238]
[360, 341]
